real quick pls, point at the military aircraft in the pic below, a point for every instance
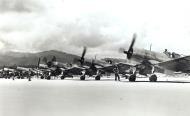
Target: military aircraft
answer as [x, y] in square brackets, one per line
[17, 71]
[98, 68]
[56, 68]
[68, 70]
[20, 72]
[147, 62]
[81, 67]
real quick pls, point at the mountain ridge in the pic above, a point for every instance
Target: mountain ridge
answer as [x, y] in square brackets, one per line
[25, 58]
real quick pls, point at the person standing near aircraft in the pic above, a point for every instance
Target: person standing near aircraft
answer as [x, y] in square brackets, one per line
[13, 76]
[116, 71]
[29, 75]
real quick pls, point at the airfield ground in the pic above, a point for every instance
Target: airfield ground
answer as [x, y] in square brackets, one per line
[72, 97]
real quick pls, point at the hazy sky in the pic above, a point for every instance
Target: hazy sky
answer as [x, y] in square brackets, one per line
[101, 25]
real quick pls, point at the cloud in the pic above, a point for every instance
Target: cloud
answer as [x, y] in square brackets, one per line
[13, 5]
[20, 6]
[39, 31]
[101, 25]
[4, 43]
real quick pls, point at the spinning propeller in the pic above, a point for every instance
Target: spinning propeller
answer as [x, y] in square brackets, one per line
[129, 53]
[81, 60]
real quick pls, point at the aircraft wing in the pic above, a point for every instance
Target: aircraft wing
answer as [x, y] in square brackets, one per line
[122, 67]
[178, 65]
[74, 70]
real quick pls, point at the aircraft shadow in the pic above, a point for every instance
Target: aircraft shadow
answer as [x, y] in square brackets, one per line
[126, 81]
[156, 82]
[94, 80]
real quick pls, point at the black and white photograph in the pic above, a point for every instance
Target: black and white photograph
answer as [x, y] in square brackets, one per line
[94, 58]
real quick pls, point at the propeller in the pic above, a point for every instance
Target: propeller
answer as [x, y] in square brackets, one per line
[81, 60]
[129, 53]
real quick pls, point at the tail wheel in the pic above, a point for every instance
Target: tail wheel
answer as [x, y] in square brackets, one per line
[97, 77]
[132, 78]
[153, 78]
[82, 77]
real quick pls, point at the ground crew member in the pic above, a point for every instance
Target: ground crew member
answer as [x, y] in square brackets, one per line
[116, 71]
[13, 76]
[29, 75]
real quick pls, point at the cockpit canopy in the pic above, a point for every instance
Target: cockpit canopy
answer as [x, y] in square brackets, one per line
[172, 55]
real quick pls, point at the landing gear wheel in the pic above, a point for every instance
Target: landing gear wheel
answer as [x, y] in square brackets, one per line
[82, 77]
[132, 78]
[42, 77]
[153, 78]
[62, 77]
[48, 77]
[97, 77]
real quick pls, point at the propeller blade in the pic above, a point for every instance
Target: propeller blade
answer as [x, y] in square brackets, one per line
[81, 60]
[83, 54]
[132, 43]
[130, 50]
